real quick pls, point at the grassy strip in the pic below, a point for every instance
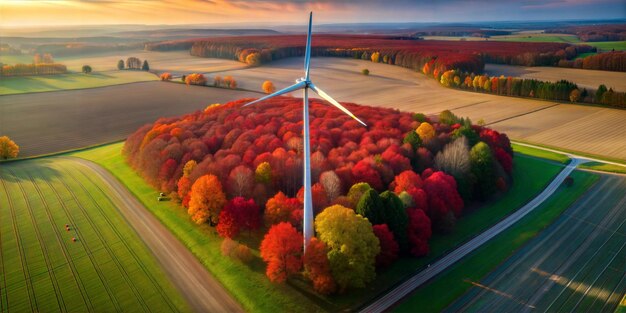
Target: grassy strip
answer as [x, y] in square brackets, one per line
[604, 167]
[584, 154]
[30, 84]
[608, 45]
[439, 293]
[530, 151]
[108, 267]
[621, 308]
[247, 284]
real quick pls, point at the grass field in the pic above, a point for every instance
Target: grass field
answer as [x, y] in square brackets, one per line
[107, 269]
[565, 38]
[604, 167]
[575, 265]
[539, 153]
[608, 45]
[29, 84]
[438, 294]
[247, 283]
[14, 59]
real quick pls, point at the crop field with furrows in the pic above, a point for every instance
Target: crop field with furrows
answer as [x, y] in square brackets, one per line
[575, 265]
[56, 121]
[107, 268]
[589, 79]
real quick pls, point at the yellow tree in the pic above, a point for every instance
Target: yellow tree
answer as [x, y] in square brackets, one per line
[375, 57]
[189, 167]
[268, 87]
[352, 246]
[8, 148]
[207, 199]
[425, 131]
[253, 59]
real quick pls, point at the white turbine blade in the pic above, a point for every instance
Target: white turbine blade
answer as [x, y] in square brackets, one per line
[307, 54]
[334, 102]
[289, 89]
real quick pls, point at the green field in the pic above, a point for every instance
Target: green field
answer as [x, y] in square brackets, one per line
[247, 283]
[107, 269]
[604, 167]
[540, 153]
[608, 45]
[439, 293]
[539, 38]
[15, 59]
[28, 84]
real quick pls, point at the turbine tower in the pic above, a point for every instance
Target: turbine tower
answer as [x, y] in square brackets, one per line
[305, 84]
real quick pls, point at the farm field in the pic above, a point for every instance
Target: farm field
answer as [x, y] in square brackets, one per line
[531, 176]
[517, 37]
[32, 84]
[608, 45]
[175, 62]
[574, 265]
[598, 166]
[56, 121]
[107, 269]
[438, 294]
[589, 79]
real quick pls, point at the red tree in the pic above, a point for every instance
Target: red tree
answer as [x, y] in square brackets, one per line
[419, 231]
[280, 208]
[281, 249]
[238, 214]
[388, 246]
[317, 267]
[364, 171]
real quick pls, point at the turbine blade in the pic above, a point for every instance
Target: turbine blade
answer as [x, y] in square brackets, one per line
[289, 89]
[334, 102]
[307, 54]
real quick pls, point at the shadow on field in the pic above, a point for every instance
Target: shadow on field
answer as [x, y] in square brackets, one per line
[23, 171]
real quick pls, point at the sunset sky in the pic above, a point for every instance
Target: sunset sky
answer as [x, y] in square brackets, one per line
[73, 12]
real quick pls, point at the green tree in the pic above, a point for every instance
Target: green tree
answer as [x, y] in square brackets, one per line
[352, 246]
[483, 169]
[86, 69]
[601, 90]
[371, 207]
[120, 64]
[356, 192]
[145, 66]
[413, 139]
[365, 71]
[396, 218]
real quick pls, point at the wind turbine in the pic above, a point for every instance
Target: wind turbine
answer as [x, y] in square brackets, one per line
[305, 84]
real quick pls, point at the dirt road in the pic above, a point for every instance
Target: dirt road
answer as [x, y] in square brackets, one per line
[203, 292]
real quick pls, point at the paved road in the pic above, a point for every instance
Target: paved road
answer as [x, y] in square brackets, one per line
[386, 301]
[575, 265]
[202, 291]
[55, 121]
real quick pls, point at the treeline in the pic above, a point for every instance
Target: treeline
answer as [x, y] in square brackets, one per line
[70, 49]
[609, 61]
[410, 53]
[562, 90]
[33, 69]
[549, 58]
[594, 32]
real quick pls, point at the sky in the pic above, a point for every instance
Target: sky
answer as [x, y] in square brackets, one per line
[19, 13]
